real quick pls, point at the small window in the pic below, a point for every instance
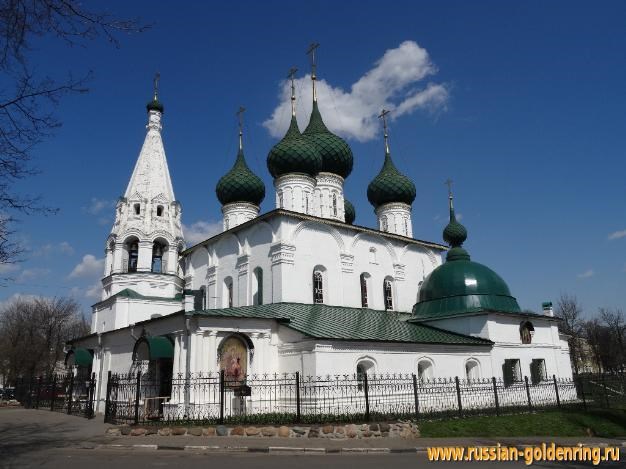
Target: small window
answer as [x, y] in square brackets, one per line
[335, 205]
[363, 280]
[372, 255]
[384, 225]
[388, 292]
[425, 370]
[511, 371]
[158, 250]
[526, 332]
[159, 210]
[280, 200]
[471, 370]
[306, 203]
[228, 293]
[538, 371]
[318, 287]
[257, 295]
[137, 208]
[406, 227]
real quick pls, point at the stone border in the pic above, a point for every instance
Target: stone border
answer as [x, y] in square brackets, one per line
[406, 430]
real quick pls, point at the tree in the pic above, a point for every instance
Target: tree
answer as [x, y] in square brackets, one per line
[616, 325]
[28, 100]
[569, 310]
[33, 333]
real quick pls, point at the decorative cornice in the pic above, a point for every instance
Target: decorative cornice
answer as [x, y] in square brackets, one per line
[347, 262]
[282, 253]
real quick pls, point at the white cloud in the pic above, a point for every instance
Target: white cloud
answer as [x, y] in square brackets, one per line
[88, 267]
[47, 249]
[6, 269]
[391, 84]
[586, 274]
[15, 297]
[201, 230]
[94, 291]
[617, 234]
[98, 205]
[30, 274]
[66, 248]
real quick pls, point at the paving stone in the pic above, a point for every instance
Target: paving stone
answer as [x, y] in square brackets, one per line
[221, 430]
[195, 431]
[327, 429]
[385, 427]
[138, 432]
[179, 431]
[299, 430]
[283, 432]
[165, 431]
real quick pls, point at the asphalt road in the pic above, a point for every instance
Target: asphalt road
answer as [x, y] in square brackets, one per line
[107, 458]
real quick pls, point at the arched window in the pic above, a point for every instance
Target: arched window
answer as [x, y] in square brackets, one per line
[363, 280]
[158, 253]
[471, 369]
[159, 210]
[526, 332]
[388, 292]
[318, 287]
[335, 205]
[425, 370]
[406, 227]
[280, 200]
[306, 203]
[132, 247]
[384, 225]
[363, 367]
[227, 298]
[257, 288]
[137, 208]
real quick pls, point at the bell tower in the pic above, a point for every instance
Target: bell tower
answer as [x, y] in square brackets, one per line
[142, 251]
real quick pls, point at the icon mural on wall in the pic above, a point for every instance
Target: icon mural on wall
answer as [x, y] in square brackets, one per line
[234, 361]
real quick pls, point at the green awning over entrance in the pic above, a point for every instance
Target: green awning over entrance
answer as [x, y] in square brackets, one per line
[160, 347]
[82, 356]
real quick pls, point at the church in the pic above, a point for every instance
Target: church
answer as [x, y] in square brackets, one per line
[301, 288]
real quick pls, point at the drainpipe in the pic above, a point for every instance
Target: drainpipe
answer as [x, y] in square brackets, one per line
[132, 332]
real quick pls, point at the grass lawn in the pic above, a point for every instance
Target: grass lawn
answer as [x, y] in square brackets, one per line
[602, 422]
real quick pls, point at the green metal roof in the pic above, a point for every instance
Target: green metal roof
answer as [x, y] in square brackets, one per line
[343, 323]
[82, 356]
[240, 184]
[336, 154]
[155, 105]
[461, 286]
[390, 185]
[293, 154]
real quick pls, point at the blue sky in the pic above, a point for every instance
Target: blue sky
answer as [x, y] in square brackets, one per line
[529, 122]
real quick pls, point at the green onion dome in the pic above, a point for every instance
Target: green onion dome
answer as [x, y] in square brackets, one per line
[240, 184]
[335, 152]
[461, 286]
[390, 186]
[349, 212]
[155, 105]
[293, 154]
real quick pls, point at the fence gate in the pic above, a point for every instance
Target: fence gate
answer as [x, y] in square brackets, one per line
[69, 393]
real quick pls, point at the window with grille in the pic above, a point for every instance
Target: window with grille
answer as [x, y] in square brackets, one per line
[538, 370]
[511, 371]
[388, 292]
[364, 302]
[318, 287]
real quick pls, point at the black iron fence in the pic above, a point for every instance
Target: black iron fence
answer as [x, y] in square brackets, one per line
[62, 392]
[603, 390]
[292, 398]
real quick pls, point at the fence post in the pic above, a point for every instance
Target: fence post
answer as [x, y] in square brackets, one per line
[581, 384]
[495, 395]
[416, 397]
[221, 396]
[90, 396]
[297, 397]
[530, 405]
[70, 392]
[367, 398]
[458, 395]
[54, 391]
[606, 394]
[556, 389]
[38, 393]
[107, 399]
[137, 396]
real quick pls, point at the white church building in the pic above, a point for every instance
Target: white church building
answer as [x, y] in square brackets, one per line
[302, 288]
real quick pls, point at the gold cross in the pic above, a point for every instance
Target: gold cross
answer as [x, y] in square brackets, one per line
[311, 51]
[240, 117]
[383, 116]
[448, 183]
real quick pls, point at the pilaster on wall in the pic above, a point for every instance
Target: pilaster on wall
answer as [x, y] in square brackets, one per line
[283, 258]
